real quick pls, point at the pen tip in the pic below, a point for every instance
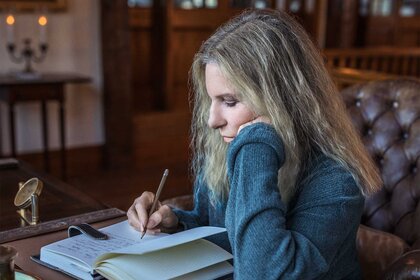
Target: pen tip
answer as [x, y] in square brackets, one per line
[166, 172]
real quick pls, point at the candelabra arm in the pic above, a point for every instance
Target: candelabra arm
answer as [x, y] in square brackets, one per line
[11, 47]
[28, 54]
[43, 48]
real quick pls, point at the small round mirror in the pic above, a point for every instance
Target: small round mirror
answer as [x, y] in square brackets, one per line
[30, 187]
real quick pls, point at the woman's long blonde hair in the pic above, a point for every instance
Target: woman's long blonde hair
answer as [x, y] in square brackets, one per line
[278, 72]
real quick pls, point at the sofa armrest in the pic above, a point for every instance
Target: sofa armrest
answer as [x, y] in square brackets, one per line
[377, 250]
[405, 267]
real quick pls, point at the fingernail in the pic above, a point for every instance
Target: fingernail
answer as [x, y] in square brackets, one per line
[142, 227]
[152, 223]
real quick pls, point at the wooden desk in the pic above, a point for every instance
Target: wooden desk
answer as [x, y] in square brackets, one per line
[46, 87]
[60, 205]
[31, 246]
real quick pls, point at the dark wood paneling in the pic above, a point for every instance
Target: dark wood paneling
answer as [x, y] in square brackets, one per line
[141, 86]
[408, 33]
[185, 31]
[342, 24]
[145, 60]
[380, 31]
[116, 83]
[161, 137]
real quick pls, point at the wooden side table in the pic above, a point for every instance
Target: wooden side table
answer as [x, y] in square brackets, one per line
[345, 77]
[46, 87]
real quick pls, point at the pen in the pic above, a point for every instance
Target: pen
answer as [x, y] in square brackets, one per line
[156, 199]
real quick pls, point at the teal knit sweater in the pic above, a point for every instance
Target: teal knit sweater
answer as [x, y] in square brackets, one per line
[313, 237]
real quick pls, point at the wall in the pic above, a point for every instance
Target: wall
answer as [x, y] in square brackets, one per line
[74, 41]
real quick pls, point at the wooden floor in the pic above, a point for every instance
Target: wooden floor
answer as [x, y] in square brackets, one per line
[119, 188]
[160, 142]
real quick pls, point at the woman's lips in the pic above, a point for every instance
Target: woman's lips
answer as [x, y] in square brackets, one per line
[227, 139]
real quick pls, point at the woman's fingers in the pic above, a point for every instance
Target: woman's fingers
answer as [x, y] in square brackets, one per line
[138, 212]
[163, 217]
[133, 219]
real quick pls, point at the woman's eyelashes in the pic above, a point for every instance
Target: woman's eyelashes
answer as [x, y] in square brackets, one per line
[230, 102]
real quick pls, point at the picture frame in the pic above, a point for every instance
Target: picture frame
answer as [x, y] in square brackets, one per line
[33, 5]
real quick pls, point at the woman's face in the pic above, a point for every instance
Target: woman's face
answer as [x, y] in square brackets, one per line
[227, 113]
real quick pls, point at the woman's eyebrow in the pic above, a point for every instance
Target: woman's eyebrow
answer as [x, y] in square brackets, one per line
[227, 95]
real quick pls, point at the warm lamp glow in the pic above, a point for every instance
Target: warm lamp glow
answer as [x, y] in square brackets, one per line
[10, 28]
[42, 20]
[10, 20]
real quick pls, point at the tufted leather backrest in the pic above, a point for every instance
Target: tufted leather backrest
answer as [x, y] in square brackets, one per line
[387, 115]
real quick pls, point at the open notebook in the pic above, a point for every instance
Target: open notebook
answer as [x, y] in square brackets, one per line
[183, 255]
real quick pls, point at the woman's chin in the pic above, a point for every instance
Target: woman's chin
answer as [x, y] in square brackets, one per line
[228, 139]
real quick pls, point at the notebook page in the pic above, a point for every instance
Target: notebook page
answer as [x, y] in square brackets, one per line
[209, 273]
[86, 250]
[168, 263]
[170, 240]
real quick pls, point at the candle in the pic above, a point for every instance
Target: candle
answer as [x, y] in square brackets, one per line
[42, 21]
[10, 26]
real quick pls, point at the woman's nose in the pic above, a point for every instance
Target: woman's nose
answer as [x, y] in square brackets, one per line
[215, 119]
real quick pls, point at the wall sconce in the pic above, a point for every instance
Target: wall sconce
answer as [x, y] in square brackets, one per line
[27, 54]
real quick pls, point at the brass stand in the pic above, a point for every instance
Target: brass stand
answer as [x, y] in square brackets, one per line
[28, 195]
[31, 216]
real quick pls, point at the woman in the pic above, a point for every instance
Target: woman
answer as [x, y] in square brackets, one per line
[277, 161]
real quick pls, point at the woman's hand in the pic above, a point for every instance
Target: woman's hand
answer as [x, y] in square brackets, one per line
[258, 119]
[163, 219]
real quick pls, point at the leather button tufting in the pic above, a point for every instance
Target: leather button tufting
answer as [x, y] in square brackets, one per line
[388, 124]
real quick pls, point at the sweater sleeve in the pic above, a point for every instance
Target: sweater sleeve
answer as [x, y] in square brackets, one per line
[264, 244]
[199, 216]
[204, 214]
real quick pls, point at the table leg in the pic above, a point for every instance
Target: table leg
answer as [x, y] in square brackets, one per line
[62, 140]
[12, 128]
[45, 135]
[1, 140]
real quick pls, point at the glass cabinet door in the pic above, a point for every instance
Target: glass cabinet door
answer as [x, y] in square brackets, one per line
[409, 8]
[139, 3]
[259, 4]
[196, 4]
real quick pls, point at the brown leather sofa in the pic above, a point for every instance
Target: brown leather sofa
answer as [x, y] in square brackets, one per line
[387, 115]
